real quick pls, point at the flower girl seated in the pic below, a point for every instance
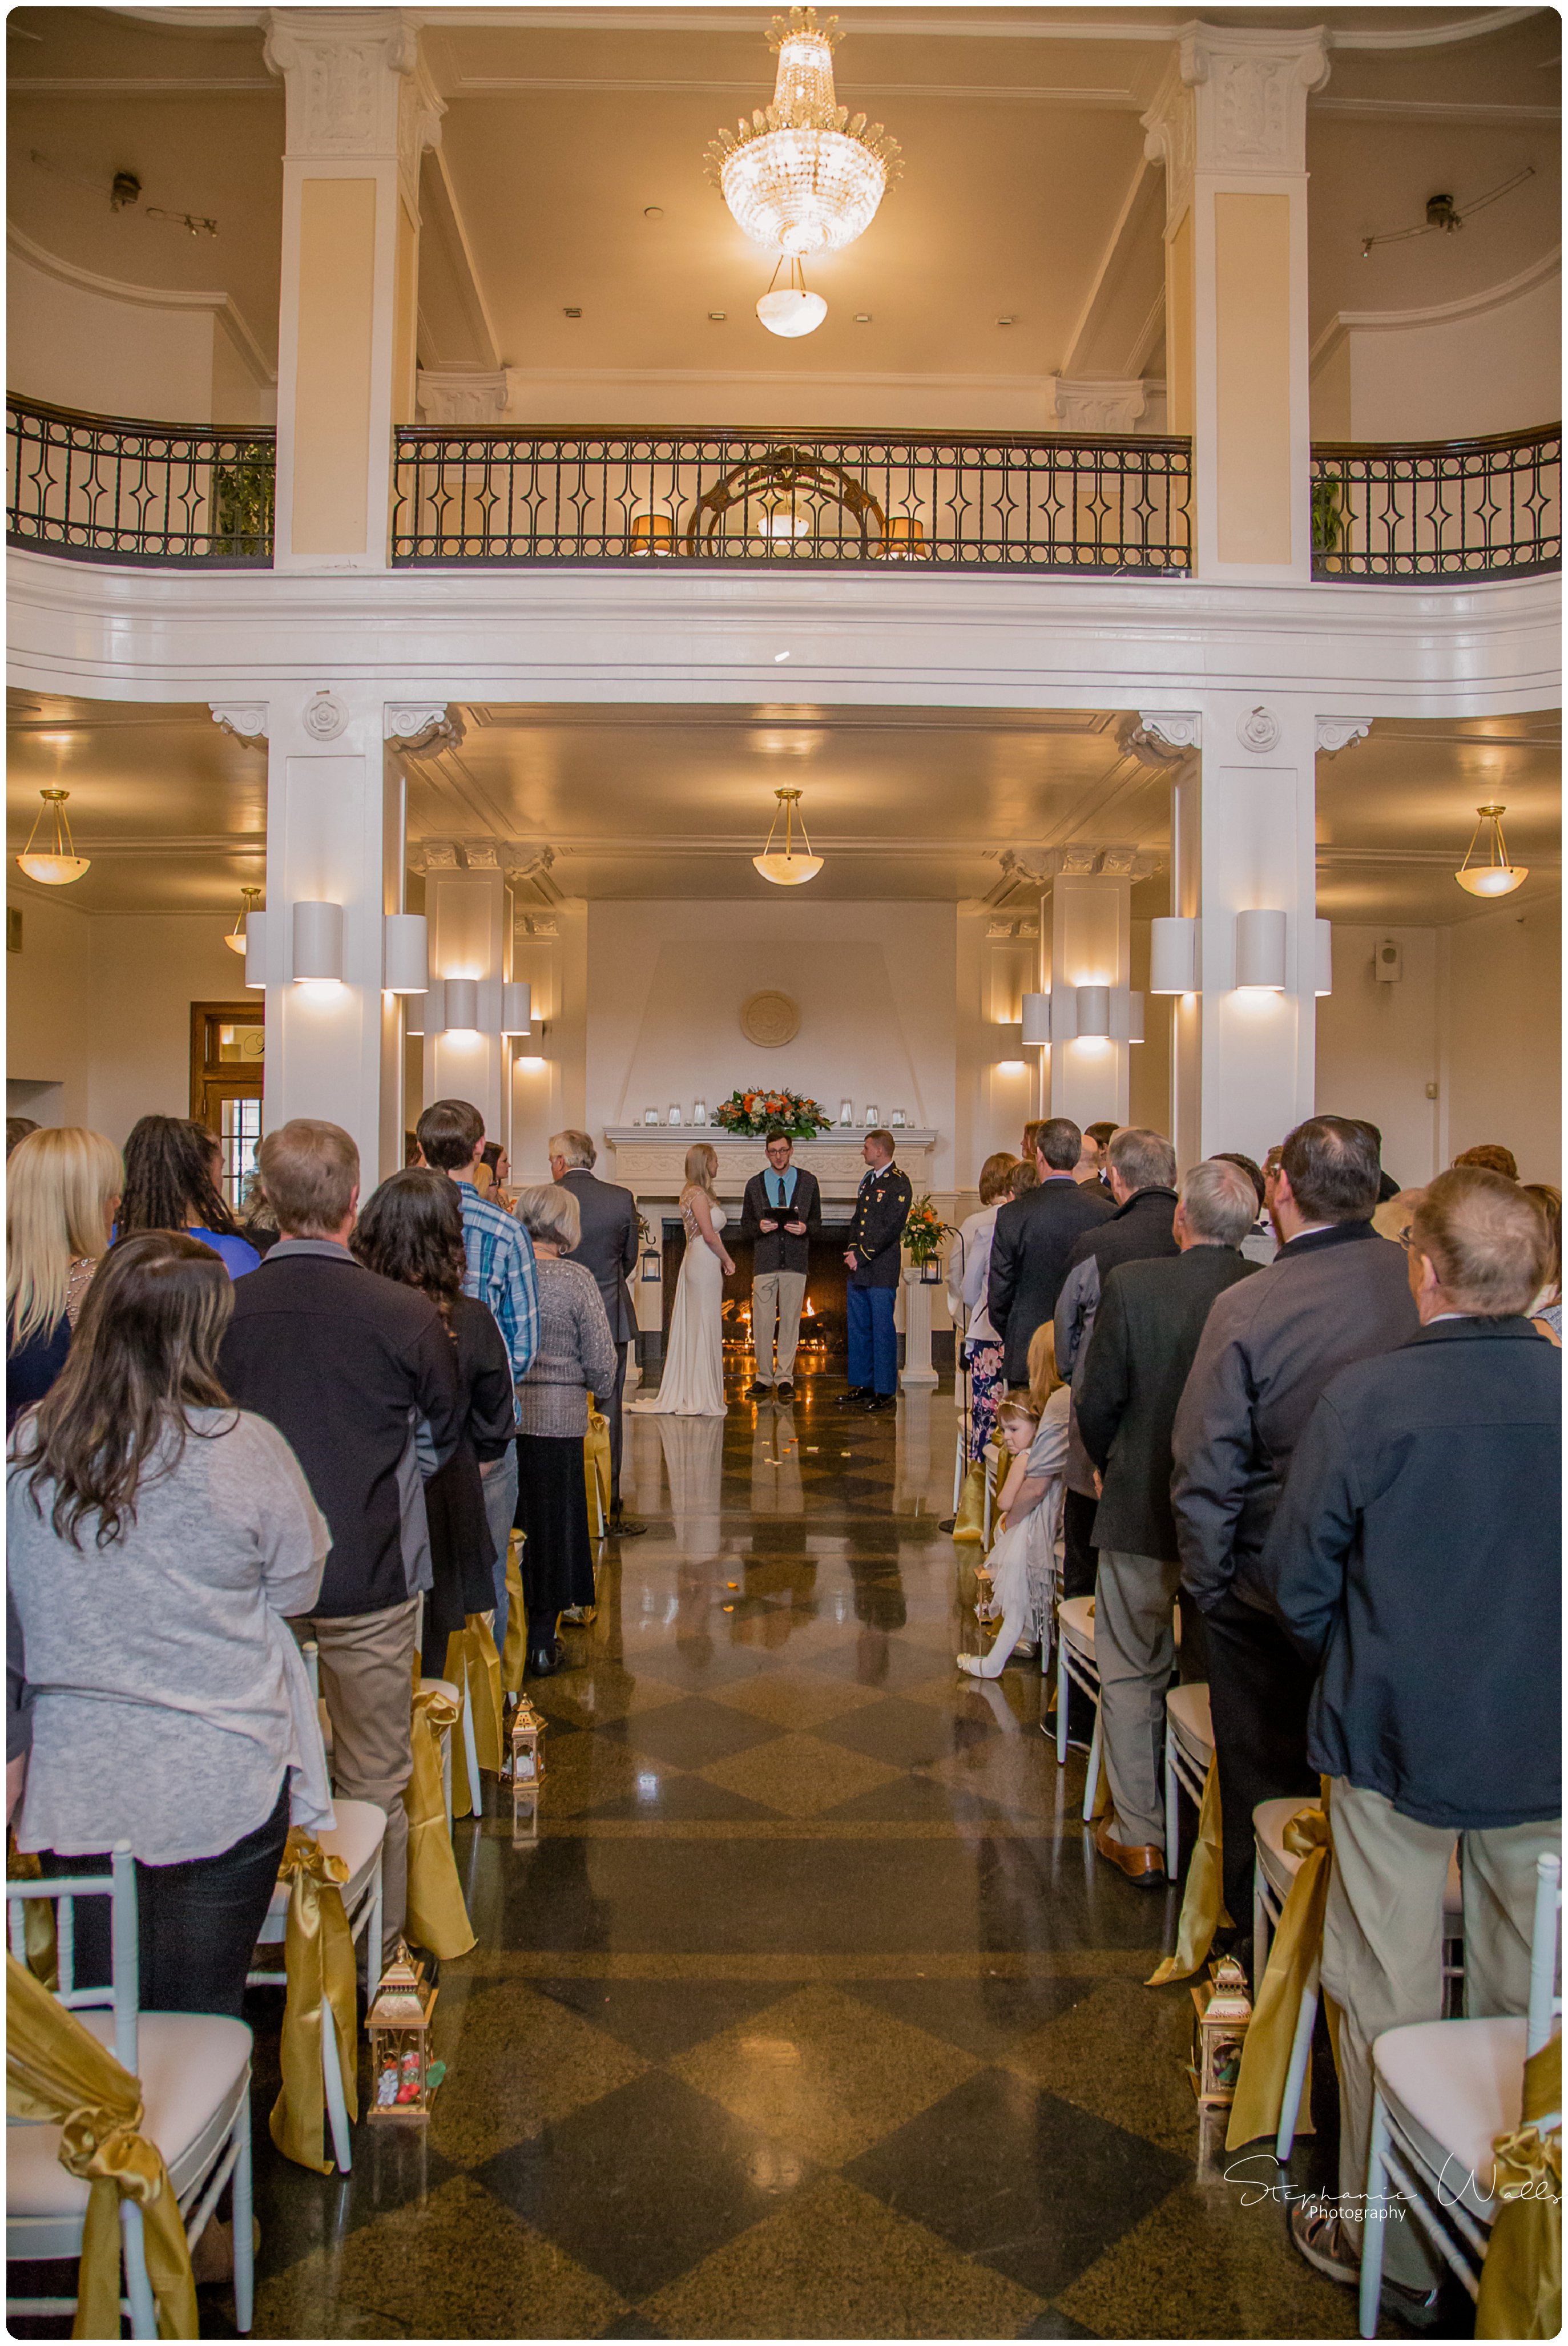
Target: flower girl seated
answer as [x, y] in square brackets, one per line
[1023, 1564]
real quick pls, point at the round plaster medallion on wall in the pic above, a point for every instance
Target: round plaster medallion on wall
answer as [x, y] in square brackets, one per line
[769, 1020]
[1258, 729]
[325, 717]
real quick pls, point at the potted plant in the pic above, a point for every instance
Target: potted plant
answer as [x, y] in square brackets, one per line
[764, 1108]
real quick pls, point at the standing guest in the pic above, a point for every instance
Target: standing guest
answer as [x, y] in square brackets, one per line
[781, 1213]
[1547, 1308]
[1141, 1169]
[1092, 1162]
[259, 1224]
[576, 1356]
[157, 1538]
[1259, 1245]
[493, 1172]
[1336, 1293]
[1491, 1157]
[1415, 1563]
[1034, 1236]
[346, 1364]
[1032, 1132]
[873, 1259]
[62, 1193]
[1146, 1331]
[1021, 1181]
[1386, 1186]
[412, 1231]
[609, 1248]
[17, 1127]
[968, 1274]
[169, 1186]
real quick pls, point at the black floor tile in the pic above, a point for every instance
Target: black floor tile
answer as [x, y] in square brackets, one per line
[691, 1733]
[903, 1734]
[659, 2018]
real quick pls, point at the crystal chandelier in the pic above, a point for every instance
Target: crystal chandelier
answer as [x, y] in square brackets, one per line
[804, 176]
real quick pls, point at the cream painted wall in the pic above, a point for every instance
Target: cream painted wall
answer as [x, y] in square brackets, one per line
[49, 1011]
[1379, 1047]
[1493, 367]
[75, 344]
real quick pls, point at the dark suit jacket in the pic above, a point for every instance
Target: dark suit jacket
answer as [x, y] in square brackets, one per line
[1150, 1317]
[877, 1225]
[608, 1246]
[1416, 1555]
[1034, 1236]
[776, 1249]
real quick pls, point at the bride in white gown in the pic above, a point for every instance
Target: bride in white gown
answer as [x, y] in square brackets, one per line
[692, 1385]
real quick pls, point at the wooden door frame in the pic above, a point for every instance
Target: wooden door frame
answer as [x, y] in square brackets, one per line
[247, 1014]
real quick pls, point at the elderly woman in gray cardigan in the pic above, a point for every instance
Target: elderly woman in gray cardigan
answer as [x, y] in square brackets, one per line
[576, 1356]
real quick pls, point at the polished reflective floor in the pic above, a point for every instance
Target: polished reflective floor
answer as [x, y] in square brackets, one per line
[810, 2013]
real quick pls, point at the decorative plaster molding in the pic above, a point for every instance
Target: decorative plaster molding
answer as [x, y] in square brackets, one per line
[452, 397]
[1109, 406]
[1346, 322]
[419, 109]
[1258, 730]
[1161, 737]
[414, 727]
[1251, 90]
[1169, 138]
[1337, 733]
[343, 70]
[325, 716]
[246, 719]
[219, 306]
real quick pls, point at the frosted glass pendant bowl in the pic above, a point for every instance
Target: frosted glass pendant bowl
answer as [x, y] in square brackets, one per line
[1496, 876]
[804, 176]
[56, 863]
[792, 311]
[788, 866]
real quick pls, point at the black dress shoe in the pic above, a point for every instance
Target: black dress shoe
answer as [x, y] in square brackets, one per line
[856, 1394]
[756, 1390]
[544, 1660]
[624, 1526]
[879, 1402]
[786, 1389]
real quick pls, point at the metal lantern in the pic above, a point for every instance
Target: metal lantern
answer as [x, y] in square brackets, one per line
[931, 1270]
[1222, 2010]
[651, 1272]
[527, 1768]
[402, 2075]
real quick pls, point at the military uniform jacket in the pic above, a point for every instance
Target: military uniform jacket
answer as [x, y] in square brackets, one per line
[881, 1210]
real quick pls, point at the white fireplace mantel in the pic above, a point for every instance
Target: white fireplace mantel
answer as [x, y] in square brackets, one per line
[650, 1158]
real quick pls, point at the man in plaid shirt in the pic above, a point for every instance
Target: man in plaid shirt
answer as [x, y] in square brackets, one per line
[501, 1273]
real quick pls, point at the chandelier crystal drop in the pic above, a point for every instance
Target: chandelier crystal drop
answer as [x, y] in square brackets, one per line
[804, 176]
[1496, 876]
[56, 863]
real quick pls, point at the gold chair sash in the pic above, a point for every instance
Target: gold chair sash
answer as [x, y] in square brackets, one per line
[968, 1526]
[1522, 2279]
[1203, 1901]
[1296, 1945]
[596, 1457]
[474, 1663]
[516, 1650]
[58, 2073]
[437, 1916]
[38, 1935]
[319, 1959]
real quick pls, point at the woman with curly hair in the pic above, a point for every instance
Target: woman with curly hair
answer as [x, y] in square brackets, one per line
[412, 1230]
[169, 1186]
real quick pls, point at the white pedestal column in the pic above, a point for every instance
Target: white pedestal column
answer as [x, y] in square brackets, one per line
[917, 1371]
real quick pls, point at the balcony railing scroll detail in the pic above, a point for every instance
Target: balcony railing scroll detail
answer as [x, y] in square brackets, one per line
[1108, 507]
[1439, 509]
[109, 489]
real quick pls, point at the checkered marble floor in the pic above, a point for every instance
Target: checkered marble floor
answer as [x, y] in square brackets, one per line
[811, 2013]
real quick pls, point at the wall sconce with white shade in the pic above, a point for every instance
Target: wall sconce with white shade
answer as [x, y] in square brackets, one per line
[1037, 1020]
[1260, 952]
[1172, 956]
[318, 944]
[256, 950]
[1323, 956]
[405, 953]
[1093, 1012]
[516, 1007]
[460, 1006]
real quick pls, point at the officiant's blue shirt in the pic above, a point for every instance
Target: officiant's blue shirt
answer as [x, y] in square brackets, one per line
[778, 1188]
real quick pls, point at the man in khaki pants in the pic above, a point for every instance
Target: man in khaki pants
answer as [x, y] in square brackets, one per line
[781, 1214]
[1415, 1558]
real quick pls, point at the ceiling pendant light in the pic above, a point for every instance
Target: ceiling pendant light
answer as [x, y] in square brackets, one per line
[780, 517]
[1496, 876]
[58, 865]
[790, 310]
[804, 176]
[785, 867]
[235, 940]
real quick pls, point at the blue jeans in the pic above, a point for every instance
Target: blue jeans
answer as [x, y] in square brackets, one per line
[873, 1339]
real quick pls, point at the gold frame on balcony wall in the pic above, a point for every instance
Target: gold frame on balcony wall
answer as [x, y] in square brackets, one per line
[779, 475]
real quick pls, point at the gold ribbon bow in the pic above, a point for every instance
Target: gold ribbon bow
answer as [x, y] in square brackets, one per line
[57, 2072]
[1296, 1945]
[969, 1524]
[1203, 1902]
[1522, 2279]
[437, 1916]
[513, 1658]
[596, 1457]
[319, 1958]
[474, 1663]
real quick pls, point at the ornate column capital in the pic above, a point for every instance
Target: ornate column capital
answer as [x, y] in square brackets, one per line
[1168, 139]
[343, 71]
[1251, 89]
[459, 398]
[246, 720]
[1161, 737]
[1337, 733]
[412, 726]
[1109, 406]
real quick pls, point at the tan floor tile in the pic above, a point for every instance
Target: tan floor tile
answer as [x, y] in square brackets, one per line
[1015, 1774]
[1203, 2265]
[597, 1697]
[516, 2062]
[797, 1775]
[583, 1771]
[1122, 2055]
[462, 2266]
[836, 2264]
[798, 1698]
[825, 2072]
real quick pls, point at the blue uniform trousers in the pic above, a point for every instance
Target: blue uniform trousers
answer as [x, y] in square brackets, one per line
[873, 1339]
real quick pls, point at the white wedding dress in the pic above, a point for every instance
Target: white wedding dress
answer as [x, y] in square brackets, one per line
[692, 1385]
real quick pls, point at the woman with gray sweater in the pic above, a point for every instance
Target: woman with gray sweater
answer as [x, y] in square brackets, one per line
[576, 1356]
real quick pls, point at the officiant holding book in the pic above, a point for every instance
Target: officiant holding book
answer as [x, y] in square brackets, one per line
[781, 1214]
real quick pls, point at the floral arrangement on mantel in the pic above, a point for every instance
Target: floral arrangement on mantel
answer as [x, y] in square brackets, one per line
[753, 1113]
[925, 1231]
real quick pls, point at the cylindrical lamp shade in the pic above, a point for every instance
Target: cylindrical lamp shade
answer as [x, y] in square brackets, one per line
[1260, 952]
[1134, 1017]
[256, 949]
[517, 1008]
[462, 1005]
[405, 953]
[1323, 943]
[1093, 1012]
[318, 944]
[1036, 1018]
[1172, 956]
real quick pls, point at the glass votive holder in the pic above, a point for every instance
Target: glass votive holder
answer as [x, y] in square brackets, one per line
[846, 1111]
[897, 1119]
[873, 1116]
[700, 1112]
[674, 1117]
[650, 1116]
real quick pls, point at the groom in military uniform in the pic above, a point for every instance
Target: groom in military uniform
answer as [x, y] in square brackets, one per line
[872, 1258]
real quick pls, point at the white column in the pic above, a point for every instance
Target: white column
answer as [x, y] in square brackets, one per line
[917, 1370]
[1085, 929]
[361, 110]
[1229, 124]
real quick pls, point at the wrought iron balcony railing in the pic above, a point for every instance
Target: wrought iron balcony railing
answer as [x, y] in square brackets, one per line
[1439, 509]
[1115, 508]
[107, 489]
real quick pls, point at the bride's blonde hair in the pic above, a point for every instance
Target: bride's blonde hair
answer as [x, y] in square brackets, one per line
[702, 1169]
